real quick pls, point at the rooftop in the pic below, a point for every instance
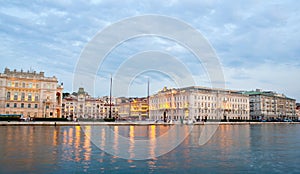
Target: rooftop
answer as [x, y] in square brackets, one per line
[266, 93]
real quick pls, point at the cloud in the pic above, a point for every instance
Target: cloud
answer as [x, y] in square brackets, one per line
[256, 41]
[269, 75]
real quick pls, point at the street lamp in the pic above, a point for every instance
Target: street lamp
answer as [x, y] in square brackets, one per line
[44, 108]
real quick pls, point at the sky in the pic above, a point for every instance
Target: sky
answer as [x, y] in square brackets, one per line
[256, 42]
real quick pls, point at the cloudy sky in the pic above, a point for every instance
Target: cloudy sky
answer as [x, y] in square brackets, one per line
[257, 42]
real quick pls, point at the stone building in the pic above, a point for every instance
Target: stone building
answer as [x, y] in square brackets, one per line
[269, 105]
[81, 105]
[298, 111]
[134, 108]
[30, 94]
[199, 103]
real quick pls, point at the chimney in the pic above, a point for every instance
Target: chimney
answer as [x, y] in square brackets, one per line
[258, 90]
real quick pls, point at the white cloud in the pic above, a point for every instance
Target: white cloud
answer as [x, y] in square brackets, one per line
[244, 35]
[268, 76]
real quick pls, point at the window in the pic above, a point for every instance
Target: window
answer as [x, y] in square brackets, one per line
[7, 105]
[8, 96]
[35, 105]
[29, 97]
[8, 83]
[16, 96]
[22, 105]
[37, 85]
[30, 85]
[23, 85]
[36, 98]
[16, 84]
[29, 105]
[15, 105]
[22, 96]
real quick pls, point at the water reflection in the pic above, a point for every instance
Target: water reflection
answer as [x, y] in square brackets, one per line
[69, 149]
[139, 142]
[131, 144]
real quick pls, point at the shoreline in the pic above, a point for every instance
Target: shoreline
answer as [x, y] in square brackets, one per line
[61, 123]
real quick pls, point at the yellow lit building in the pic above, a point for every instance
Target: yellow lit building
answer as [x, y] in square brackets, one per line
[133, 107]
[30, 94]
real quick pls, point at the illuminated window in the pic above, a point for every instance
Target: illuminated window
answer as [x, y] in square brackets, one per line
[16, 96]
[8, 83]
[29, 97]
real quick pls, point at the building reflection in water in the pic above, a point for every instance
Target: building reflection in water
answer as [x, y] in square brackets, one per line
[74, 145]
[138, 142]
[77, 143]
[230, 138]
[152, 145]
[87, 143]
[116, 140]
[131, 142]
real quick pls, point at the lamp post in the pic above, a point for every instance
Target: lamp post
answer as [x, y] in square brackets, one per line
[44, 108]
[110, 92]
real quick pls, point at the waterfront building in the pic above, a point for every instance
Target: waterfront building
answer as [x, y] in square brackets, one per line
[269, 105]
[199, 103]
[30, 94]
[81, 105]
[133, 107]
[298, 111]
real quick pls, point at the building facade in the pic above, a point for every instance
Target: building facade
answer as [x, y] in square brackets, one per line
[298, 111]
[269, 105]
[30, 94]
[82, 105]
[134, 108]
[199, 103]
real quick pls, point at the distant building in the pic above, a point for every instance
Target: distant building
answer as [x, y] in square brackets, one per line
[199, 103]
[82, 105]
[133, 107]
[298, 110]
[30, 94]
[269, 105]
